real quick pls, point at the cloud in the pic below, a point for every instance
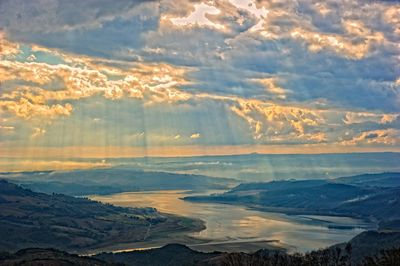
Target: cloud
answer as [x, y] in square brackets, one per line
[311, 50]
[58, 15]
[228, 17]
[25, 109]
[237, 72]
[228, 59]
[356, 44]
[389, 136]
[269, 120]
[7, 48]
[7, 128]
[272, 87]
[391, 16]
[83, 77]
[362, 117]
[195, 136]
[343, 29]
[38, 132]
[198, 17]
[46, 165]
[322, 8]
[42, 89]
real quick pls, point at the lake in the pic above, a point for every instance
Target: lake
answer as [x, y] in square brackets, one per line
[230, 224]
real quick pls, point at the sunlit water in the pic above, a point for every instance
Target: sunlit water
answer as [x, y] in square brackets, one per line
[235, 223]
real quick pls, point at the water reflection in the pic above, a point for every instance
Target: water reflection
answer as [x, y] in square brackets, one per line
[235, 223]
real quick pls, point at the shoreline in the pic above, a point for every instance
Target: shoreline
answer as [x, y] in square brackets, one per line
[293, 212]
[201, 245]
[157, 238]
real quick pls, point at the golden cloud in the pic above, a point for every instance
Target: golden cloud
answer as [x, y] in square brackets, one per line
[7, 48]
[82, 77]
[392, 16]
[49, 92]
[362, 117]
[267, 119]
[271, 86]
[382, 136]
[355, 44]
[195, 136]
[25, 109]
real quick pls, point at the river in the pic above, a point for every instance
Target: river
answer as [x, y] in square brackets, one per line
[230, 224]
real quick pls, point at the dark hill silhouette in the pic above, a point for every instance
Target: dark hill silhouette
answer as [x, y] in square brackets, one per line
[351, 253]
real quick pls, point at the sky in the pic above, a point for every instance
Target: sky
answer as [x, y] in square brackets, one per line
[181, 78]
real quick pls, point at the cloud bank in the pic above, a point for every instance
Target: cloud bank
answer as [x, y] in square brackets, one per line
[209, 73]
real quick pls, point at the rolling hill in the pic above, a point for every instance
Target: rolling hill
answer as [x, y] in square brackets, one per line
[31, 219]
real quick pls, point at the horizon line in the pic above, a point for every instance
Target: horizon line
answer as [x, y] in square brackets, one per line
[108, 152]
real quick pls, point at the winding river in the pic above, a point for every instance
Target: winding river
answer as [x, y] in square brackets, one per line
[230, 224]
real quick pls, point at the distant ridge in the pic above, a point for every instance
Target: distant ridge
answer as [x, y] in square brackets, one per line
[375, 197]
[113, 180]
